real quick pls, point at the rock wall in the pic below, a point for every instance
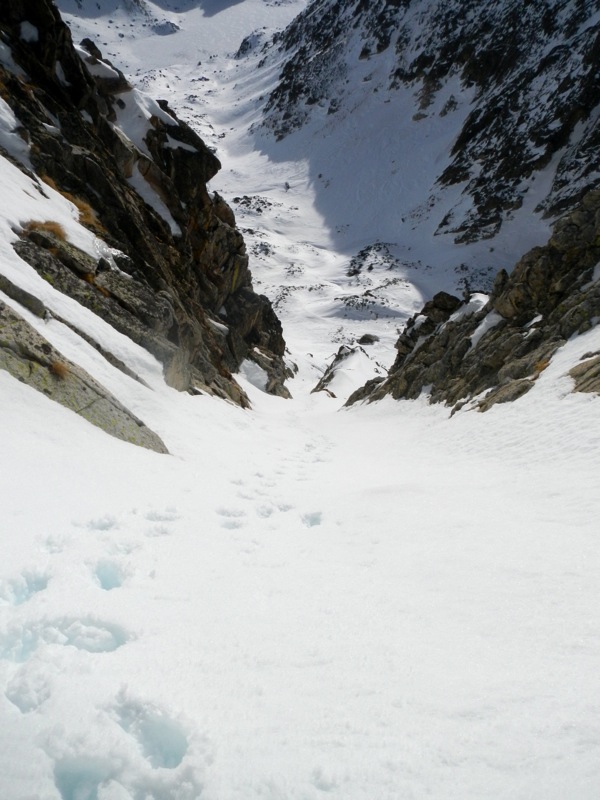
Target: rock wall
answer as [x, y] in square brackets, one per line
[173, 274]
[495, 348]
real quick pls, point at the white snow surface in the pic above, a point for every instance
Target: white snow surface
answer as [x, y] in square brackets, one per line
[300, 601]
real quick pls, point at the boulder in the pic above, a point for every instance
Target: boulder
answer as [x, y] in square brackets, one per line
[587, 375]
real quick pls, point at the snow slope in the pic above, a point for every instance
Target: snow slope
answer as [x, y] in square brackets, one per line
[299, 602]
[296, 603]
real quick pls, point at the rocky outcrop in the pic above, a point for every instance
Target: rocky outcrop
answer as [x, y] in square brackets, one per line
[171, 270]
[28, 356]
[587, 374]
[495, 348]
[340, 358]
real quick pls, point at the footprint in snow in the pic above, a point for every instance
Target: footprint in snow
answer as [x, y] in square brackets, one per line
[264, 481]
[158, 530]
[55, 544]
[109, 575]
[312, 519]
[105, 523]
[29, 688]
[139, 752]
[89, 778]
[19, 642]
[162, 518]
[265, 511]
[19, 590]
[169, 514]
[232, 517]
[161, 739]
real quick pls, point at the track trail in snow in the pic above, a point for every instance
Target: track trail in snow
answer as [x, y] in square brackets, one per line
[300, 603]
[114, 562]
[44, 647]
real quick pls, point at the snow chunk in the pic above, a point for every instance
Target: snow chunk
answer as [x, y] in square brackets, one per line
[29, 33]
[173, 144]
[254, 374]
[475, 304]
[134, 114]
[60, 74]
[218, 325]
[99, 69]
[486, 324]
[6, 58]
[9, 138]
[151, 197]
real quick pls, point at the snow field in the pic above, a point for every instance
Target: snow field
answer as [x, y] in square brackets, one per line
[379, 602]
[300, 601]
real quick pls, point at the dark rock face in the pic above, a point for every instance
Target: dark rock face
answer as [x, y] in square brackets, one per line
[456, 350]
[187, 295]
[533, 71]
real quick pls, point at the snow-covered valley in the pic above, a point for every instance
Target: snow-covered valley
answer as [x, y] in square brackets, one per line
[300, 600]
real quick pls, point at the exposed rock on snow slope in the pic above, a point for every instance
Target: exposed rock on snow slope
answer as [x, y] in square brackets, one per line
[164, 262]
[460, 351]
[30, 357]
[532, 73]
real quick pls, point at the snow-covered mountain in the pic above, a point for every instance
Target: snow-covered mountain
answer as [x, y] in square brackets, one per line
[516, 87]
[295, 601]
[376, 154]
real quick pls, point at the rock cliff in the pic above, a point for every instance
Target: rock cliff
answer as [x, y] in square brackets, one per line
[170, 268]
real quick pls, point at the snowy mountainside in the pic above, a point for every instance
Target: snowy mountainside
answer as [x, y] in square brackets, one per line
[347, 218]
[486, 350]
[293, 258]
[530, 76]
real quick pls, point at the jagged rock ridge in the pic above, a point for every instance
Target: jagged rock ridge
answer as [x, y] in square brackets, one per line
[171, 270]
[532, 73]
